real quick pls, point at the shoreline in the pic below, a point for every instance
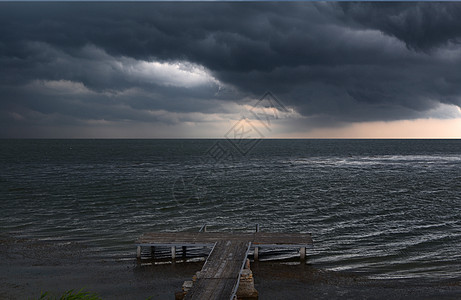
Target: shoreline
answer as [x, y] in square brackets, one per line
[28, 268]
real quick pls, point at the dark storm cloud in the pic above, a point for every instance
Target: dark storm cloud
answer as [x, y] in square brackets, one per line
[332, 62]
[422, 26]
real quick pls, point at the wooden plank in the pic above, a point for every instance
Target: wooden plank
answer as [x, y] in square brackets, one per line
[209, 238]
[210, 288]
[225, 260]
[220, 274]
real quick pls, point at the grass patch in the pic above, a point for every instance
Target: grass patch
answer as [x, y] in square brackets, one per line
[71, 295]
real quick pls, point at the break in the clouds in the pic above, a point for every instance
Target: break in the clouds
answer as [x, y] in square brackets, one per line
[174, 69]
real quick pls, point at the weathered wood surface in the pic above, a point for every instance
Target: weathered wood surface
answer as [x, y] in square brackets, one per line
[219, 277]
[261, 239]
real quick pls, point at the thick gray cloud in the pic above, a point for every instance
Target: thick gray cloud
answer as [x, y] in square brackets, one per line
[422, 26]
[331, 62]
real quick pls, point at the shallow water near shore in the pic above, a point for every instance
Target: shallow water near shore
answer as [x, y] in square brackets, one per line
[29, 267]
[383, 210]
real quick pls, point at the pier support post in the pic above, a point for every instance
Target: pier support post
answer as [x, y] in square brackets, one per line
[152, 252]
[302, 254]
[256, 253]
[138, 252]
[246, 289]
[173, 252]
[184, 249]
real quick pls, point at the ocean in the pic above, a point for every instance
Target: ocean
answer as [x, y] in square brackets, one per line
[383, 209]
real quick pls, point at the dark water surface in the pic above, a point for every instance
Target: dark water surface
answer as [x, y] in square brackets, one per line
[384, 209]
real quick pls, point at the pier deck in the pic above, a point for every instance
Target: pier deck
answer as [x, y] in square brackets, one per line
[220, 275]
[260, 239]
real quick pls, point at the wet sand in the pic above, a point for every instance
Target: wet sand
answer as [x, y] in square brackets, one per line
[28, 267]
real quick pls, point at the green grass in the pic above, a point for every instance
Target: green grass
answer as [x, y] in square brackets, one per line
[71, 295]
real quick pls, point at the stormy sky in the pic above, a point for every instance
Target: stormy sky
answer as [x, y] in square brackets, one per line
[194, 69]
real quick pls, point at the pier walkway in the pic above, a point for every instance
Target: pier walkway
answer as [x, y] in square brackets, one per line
[220, 275]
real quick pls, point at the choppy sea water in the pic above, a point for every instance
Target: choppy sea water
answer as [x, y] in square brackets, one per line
[381, 208]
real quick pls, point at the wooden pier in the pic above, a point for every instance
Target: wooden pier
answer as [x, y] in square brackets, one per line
[220, 275]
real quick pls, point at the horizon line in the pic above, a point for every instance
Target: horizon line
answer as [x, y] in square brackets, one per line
[223, 138]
